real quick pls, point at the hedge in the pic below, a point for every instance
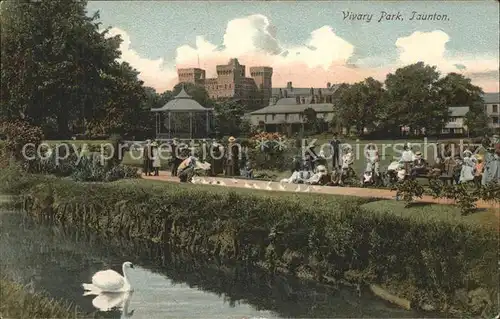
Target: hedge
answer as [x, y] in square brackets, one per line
[447, 264]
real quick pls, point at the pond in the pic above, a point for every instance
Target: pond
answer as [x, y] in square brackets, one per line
[168, 284]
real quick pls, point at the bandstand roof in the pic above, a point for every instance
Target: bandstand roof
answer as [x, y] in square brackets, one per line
[183, 102]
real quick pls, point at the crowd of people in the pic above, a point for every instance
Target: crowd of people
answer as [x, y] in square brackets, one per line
[313, 168]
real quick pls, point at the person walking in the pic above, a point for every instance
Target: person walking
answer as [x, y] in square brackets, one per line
[336, 152]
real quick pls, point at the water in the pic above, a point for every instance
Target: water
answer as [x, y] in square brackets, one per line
[169, 285]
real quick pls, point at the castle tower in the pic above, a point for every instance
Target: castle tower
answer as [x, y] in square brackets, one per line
[191, 75]
[262, 76]
[229, 79]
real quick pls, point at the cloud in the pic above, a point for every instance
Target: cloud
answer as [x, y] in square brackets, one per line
[430, 47]
[153, 72]
[324, 57]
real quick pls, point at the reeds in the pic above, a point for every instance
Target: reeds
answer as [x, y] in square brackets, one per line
[18, 303]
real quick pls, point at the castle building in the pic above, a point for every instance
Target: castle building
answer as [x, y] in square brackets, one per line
[232, 83]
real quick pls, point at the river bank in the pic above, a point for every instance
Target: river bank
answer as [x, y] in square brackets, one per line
[172, 283]
[21, 304]
[328, 238]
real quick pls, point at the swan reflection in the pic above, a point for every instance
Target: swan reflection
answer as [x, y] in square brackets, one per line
[107, 301]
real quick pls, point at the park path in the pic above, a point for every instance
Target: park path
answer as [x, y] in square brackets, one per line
[333, 190]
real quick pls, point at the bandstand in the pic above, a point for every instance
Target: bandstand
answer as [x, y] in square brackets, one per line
[183, 117]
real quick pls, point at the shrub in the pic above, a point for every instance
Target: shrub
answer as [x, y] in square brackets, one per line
[490, 192]
[408, 190]
[19, 134]
[89, 169]
[121, 172]
[327, 236]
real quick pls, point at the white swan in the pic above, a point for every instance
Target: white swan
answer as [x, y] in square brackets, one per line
[110, 281]
[234, 180]
[268, 187]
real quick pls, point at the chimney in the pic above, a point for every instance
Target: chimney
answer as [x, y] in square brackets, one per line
[289, 85]
[328, 85]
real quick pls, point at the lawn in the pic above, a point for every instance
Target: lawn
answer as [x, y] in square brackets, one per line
[419, 211]
[433, 212]
[389, 150]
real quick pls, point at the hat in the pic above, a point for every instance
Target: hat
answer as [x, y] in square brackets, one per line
[231, 139]
[418, 153]
[479, 157]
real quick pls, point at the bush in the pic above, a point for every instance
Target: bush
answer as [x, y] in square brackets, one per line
[326, 236]
[408, 190]
[89, 169]
[121, 172]
[18, 134]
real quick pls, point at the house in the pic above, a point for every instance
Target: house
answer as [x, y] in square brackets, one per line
[491, 103]
[456, 124]
[288, 116]
[303, 95]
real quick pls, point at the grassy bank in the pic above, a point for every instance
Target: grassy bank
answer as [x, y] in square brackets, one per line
[444, 262]
[17, 303]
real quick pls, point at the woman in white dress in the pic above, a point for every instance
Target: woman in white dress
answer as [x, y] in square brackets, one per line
[468, 166]
[156, 159]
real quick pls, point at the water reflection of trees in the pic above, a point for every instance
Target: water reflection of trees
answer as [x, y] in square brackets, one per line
[76, 250]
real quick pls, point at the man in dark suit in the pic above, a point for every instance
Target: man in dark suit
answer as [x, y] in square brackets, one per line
[176, 157]
[147, 158]
[336, 154]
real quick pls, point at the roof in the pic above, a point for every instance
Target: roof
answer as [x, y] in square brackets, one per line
[287, 101]
[305, 91]
[491, 98]
[458, 111]
[294, 108]
[182, 103]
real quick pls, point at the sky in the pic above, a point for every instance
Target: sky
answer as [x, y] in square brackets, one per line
[306, 42]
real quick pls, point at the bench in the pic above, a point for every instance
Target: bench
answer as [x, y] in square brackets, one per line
[447, 174]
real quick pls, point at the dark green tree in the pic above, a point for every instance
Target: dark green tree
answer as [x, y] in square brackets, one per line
[457, 90]
[197, 92]
[60, 72]
[229, 118]
[477, 121]
[413, 99]
[359, 104]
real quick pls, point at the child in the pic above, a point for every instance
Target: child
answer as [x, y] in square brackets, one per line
[368, 178]
[249, 170]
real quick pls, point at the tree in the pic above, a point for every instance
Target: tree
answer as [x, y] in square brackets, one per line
[457, 90]
[197, 92]
[123, 111]
[58, 69]
[229, 118]
[476, 120]
[359, 104]
[413, 99]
